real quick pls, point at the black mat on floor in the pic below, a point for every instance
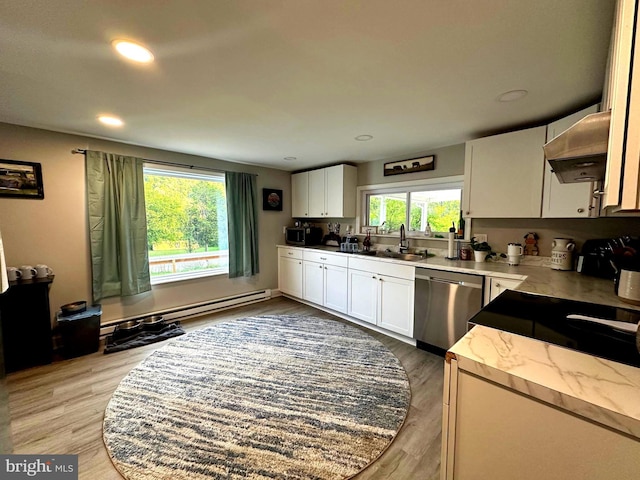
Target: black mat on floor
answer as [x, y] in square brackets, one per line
[142, 338]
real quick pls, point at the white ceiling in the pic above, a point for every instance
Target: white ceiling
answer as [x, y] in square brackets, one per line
[254, 81]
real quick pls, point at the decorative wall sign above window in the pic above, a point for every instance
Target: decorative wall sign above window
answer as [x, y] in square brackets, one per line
[410, 165]
[271, 199]
[21, 179]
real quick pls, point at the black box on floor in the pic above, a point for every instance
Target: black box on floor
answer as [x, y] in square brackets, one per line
[80, 332]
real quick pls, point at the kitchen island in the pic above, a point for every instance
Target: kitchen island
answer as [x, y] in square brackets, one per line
[515, 407]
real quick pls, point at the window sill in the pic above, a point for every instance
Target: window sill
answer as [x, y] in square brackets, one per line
[179, 277]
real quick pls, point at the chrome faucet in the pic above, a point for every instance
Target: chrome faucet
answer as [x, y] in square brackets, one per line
[404, 243]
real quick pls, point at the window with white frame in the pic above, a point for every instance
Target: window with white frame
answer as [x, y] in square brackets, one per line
[186, 223]
[435, 202]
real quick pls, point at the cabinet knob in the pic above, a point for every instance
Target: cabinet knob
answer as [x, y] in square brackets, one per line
[326, 268]
[374, 277]
[498, 285]
[326, 213]
[467, 212]
[380, 279]
[320, 266]
[299, 263]
[580, 210]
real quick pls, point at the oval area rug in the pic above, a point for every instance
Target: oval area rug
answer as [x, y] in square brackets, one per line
[269, 397]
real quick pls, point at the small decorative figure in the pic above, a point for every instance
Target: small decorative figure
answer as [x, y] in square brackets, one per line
[366, 243]
[531, 244]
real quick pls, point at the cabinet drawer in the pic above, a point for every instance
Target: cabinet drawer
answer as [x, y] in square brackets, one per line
[382, 267]
[324, 257]
[290, 253]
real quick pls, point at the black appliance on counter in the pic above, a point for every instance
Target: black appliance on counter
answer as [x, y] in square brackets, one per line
[600, 330]
[598, 257]
[303, 236]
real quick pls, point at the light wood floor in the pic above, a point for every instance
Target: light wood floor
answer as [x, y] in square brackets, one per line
[58, 408]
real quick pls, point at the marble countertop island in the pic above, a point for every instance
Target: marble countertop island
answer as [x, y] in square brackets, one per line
[600, 390]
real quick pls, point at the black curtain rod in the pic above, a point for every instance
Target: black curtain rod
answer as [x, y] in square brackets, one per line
[82, 151]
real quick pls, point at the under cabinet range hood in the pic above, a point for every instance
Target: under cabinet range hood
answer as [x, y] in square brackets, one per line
[579, 154]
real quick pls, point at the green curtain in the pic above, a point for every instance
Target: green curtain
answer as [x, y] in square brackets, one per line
[242, 220]
[117, 225]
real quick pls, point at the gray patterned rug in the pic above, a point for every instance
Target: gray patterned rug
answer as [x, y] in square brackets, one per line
[270, 397]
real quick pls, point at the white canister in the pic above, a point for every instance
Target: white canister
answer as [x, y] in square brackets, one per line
[562, 254]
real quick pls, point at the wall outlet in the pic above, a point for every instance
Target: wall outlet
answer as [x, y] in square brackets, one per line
[480, 237]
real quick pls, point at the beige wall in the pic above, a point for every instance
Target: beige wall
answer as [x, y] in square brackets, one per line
[54, 230]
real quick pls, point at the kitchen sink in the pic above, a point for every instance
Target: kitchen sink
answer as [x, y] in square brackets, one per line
[411, 257]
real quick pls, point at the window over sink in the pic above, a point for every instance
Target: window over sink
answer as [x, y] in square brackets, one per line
[436, 201]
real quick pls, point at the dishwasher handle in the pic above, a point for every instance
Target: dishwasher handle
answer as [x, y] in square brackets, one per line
[461, 283]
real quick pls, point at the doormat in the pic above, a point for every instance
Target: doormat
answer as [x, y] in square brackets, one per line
[142, 338]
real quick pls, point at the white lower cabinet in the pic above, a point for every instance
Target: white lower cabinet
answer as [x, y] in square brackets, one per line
[492, 432]
[325, 280]
[382, 294]
[290, 271]
[494, 286]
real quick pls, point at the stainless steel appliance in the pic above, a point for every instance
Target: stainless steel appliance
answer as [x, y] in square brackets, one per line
[601, 330]
[444, 302]
[303, 236]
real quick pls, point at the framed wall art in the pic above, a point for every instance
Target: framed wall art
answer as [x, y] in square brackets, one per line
[410, 165]
[21, 179]
[271, 199]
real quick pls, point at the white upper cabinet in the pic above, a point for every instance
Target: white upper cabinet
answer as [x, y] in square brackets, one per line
[503, 175]
[325, 193]
[300, 195]
[567, 200]
[622, 178]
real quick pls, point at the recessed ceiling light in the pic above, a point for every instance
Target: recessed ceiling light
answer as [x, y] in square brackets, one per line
[133, 51]
[110, 120]
[364, 138]
[290, 158]
[512, 95]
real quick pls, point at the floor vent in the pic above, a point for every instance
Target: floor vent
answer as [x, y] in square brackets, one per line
[196, 309]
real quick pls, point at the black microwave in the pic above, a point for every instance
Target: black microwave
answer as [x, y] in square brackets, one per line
[303, 236]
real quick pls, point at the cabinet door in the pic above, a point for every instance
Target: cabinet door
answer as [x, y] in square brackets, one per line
[566, 200]
[499, 285]
[623, 96]
[317, 206]
[336, 287]
[300, 195]
[504, 174]
[363, 295]
[334, 193]
[290, 276]
[395, 304]
[313, 282]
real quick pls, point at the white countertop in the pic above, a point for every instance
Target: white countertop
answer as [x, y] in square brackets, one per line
[600, 390]
[539, 280]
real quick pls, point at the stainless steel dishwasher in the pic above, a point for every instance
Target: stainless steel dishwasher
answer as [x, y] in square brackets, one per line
[444, 302]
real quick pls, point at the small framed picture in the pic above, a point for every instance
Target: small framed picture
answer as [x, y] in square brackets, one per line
[411, 165]
[271, 199]
[21, 179]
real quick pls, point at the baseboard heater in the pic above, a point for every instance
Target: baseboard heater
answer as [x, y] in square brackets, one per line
[195, 310]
